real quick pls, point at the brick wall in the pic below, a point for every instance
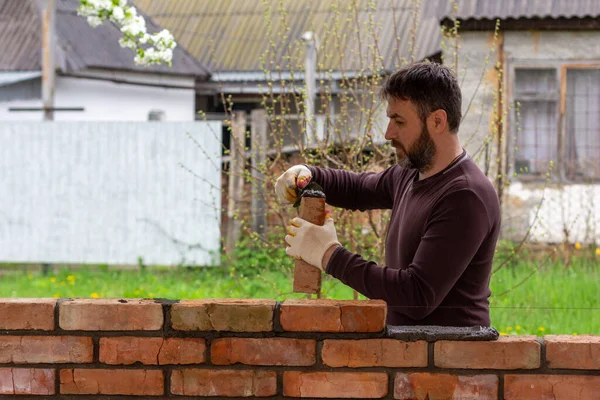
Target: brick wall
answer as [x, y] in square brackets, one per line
[104, 349]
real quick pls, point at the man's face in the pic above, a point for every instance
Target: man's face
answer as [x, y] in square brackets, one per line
[409, 136]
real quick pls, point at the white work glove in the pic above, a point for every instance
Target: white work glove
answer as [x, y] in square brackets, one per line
[309, 242]
[297, 176]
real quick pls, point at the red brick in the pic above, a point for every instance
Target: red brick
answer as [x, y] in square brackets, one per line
[356, 385]
[268, 351]
[112, 381]
[152, 351]
[374, 353]
[110, 315]
[234, 315]
[228, 383]
[508, 352]
[573, 352]
[27, 314]
[364, 316]
[46, 349]
[555, 387]
[333, 315]
[27, 381]
[423, 385]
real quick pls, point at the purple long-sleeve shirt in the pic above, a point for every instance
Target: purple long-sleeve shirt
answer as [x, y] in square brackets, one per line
[439, 249]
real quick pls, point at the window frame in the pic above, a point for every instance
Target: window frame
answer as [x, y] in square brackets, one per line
[559, 174]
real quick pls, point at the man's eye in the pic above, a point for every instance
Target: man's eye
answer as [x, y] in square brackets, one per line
[399, 123]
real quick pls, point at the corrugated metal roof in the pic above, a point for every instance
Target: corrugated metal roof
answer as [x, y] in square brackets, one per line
[250, 35]
[504, 9]
[79, 45]
[10, 77]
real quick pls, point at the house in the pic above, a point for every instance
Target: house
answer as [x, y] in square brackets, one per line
[96, 80]
[524, 88]
[537, 87]
[103, 182]
[255, 48]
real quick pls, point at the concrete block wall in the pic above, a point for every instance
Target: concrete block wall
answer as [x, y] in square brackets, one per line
[240, 348]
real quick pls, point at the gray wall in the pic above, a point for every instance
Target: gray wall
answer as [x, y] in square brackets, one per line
[563, 206]
[109, 192]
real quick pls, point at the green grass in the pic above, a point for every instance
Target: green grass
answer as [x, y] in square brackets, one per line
[555, 300]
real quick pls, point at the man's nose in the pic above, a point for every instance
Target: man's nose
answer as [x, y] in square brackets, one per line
[389, 132]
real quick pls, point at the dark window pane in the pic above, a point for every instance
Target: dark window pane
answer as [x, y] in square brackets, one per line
[583, 124]
[535, 81]
[537, 138]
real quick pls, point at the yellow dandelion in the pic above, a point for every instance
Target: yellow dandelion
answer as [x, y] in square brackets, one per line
[53, 279]
[574, 333]
[578, 245]
[541, 329]
[503, 333]
[518, 328]
[57, 295]
[94, 295]
[598, 251]
[70, 278]
[509, 328]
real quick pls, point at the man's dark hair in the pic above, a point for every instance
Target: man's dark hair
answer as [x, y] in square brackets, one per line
[429, 86]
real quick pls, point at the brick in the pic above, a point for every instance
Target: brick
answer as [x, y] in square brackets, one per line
[573, 352]
[27, 381]
[152, 351]
[233, 315]
[35, 314]
[110, 315]
[508, 352]
[228, 383]
[423, 385]
[364, 316]
[374, 353]
[307, 278]
[45, 349]
[356, 385]
[267, 351]
[555, 387]
[112, 381]
[333, 315]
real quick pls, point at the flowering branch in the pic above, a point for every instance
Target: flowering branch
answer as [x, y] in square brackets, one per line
[159, 46]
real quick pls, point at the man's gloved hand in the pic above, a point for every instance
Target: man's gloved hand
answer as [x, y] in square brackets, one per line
[309, 242]
[297, 176]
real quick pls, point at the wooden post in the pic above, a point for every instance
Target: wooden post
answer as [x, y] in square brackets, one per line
[259, 148]
[48, 58]
[307, 278]
[236, 177]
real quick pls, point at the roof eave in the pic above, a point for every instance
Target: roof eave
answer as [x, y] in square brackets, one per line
[525, 23]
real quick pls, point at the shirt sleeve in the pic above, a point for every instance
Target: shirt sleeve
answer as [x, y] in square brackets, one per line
[455, 230]
[356, 191]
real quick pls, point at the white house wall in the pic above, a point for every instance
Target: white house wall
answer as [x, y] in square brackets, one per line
[108, 193]
[564, 213]
[106, 100]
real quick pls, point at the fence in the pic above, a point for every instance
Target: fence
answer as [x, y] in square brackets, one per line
[110, 192]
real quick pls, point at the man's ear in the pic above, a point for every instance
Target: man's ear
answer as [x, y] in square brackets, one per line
[437, 122]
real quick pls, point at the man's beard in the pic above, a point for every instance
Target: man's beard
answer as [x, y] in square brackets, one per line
[421, 154]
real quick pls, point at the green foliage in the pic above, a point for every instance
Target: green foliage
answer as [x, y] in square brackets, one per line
[528, 296]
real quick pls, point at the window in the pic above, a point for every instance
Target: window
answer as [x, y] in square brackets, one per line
[540, 140]
[156, 115]
[583, 124]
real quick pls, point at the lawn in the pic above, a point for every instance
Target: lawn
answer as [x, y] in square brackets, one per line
[554, 300]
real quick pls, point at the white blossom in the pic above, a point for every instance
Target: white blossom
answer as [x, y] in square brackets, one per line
[94, 21]
[133, 28]
[118, 14]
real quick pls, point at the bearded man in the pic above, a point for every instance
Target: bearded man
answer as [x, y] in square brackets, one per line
[445, 218]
